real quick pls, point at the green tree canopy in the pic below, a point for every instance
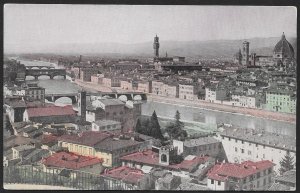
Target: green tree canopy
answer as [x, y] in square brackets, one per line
[287, 163]
[149, 127]
[175, 129]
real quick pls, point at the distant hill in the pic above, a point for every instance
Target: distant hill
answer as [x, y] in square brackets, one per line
[212, 48]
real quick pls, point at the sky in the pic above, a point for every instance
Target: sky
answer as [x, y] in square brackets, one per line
[39, 26]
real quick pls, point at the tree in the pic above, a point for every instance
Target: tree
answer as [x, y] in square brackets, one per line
[138, 126]
[287, 163]
[178, 123]
[155, 130]
[175, 130]
[146, 127]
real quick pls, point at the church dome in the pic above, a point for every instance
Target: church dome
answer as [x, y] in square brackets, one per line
[284, 49]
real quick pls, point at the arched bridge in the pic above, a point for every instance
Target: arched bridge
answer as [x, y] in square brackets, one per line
[39, 67]
[122, 95]
[74, 96]
[54, 97]
[48, 72]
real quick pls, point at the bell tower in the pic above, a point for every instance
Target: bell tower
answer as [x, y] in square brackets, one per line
[82, 105]
[156, 46]
[245, 53]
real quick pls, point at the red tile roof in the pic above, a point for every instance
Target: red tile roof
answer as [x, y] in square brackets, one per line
[48, 139]
[224, 170]
[51, 111]
[70, 160]
[126, 174]
[152, 158]
[89, 138]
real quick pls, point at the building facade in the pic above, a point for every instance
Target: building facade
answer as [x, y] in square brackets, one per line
[281, 101]
[247, 175]
[246, 144]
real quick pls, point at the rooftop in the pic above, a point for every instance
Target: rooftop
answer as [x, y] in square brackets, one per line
[274, 140]
[17, 140]
[106, 122]
[152, 158]
[289, 176]
[279, 187]
[111, 144]
[126, 174]
[24, 147]
[223, 171]
[89, 138]
[191, 186]
[200, 141]
[70, 160]
[51, 111]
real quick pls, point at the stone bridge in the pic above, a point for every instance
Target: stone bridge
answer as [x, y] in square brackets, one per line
[39, 67]
[54, 97]
[126, 95]
[74, 96]
[48, 72]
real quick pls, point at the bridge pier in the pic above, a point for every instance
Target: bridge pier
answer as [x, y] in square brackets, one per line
[36, 77]
[51, 77]
[74, 100]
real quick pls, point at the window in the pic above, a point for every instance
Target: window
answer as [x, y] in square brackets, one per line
[236, 140]
[242, 150]
[258, 183]
[249, 152]
[222, 137]
[229, 139]
[219, 183]
[244, 180]
[269, 170]
[163, 158]
[265, 181]
[258, 175]
[251, 177]
[256, 145]
[242, 142]
[263, 155]
[212, 181]
[236, 149]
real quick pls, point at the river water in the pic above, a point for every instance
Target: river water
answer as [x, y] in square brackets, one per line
[204, 119]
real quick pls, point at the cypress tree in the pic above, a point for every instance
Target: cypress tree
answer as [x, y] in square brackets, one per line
[155, 130]
[138, 127]
[175, 130]
[287, 163]
[147, 128]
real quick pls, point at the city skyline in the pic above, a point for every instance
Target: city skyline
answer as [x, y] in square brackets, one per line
[28, 27]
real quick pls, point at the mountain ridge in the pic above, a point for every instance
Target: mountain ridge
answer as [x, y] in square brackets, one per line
[213, 48]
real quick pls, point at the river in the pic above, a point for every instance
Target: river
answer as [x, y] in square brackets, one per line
[204, 119]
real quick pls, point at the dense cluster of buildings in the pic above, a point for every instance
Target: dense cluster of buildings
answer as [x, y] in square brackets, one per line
[264, 82]
[99, 137]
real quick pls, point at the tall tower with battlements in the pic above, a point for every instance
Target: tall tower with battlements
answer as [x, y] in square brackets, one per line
[156, 46]
[245, 53]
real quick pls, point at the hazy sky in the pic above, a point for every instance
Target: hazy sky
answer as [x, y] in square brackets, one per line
[44, 25]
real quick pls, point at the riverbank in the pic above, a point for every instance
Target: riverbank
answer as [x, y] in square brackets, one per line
[225, 108]
[91, 86]
[203, 104]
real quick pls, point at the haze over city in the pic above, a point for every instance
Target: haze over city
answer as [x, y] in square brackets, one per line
[42, 27]
[105, 97]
